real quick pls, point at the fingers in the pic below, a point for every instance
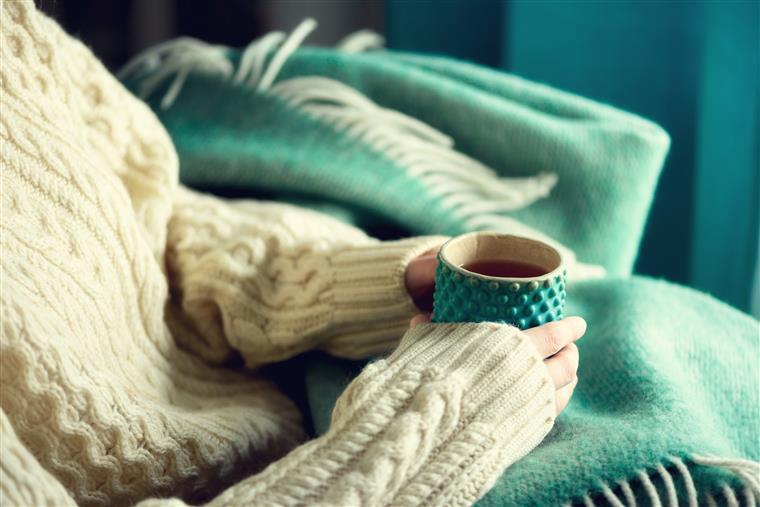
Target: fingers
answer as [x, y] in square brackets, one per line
[563, 366]
[420, 280]
[420, 273]
[420, 318]
[562, 396]
[432, 251]
[552, 337]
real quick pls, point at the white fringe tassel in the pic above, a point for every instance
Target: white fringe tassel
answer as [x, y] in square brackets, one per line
[747, 471]
[611, 496]
[176, 57]
[361, 41]
[467, 187]
[464, 184]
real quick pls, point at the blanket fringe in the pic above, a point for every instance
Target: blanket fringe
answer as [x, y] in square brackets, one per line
[748, 472]
[176, 57]
[470, 189]
[465, 185]
[361, 41]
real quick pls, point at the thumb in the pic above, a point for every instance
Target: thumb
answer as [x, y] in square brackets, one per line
[420, 318]
[420, 274]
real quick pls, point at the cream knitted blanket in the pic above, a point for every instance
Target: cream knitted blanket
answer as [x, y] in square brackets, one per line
[120, 287]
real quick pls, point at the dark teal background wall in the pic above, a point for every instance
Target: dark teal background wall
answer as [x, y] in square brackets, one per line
[691, 66]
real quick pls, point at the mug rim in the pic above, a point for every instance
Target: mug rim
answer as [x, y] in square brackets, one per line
[560, 270]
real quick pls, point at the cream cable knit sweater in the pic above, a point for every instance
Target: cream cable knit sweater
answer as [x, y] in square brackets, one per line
[120, 288]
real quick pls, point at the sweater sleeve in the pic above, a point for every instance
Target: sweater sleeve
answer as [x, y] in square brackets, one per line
[271, 280]
[436, 423]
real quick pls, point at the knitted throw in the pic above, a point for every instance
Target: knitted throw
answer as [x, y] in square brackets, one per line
[425, 143]
[667, 405]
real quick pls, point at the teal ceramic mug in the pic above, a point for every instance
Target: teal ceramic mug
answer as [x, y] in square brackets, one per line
[489, 276]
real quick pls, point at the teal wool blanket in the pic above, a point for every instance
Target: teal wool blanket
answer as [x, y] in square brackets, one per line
[666, 408]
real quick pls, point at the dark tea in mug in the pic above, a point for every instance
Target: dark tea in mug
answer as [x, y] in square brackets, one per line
[505, 269]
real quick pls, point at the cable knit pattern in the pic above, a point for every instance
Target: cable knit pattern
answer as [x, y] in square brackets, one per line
[434, 424]
[120, 289]
[271, 280]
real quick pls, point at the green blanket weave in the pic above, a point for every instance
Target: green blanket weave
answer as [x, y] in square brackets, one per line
[666, 376]
[607, 162]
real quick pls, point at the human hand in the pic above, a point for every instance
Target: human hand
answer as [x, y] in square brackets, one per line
[555, 342]
[420, 279]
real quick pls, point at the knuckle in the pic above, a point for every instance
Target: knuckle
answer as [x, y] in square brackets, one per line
[552, 339]
[570, 364]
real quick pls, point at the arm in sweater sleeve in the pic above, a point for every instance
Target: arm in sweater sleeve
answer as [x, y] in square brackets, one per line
[436, 423]
[272, 280]
[99, 406]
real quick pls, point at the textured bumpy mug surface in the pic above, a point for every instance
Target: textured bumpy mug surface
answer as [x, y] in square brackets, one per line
[463, 296]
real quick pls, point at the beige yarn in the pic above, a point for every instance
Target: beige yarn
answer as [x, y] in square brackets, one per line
[121, 288]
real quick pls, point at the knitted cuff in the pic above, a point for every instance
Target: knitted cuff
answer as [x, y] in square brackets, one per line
[371, 307]
[450, 409]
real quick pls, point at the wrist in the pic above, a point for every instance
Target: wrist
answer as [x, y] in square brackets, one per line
[371, 305]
